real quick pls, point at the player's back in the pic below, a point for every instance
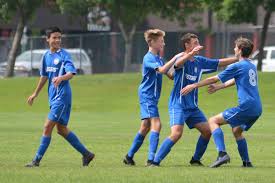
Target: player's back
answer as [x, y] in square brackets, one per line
[246, 79]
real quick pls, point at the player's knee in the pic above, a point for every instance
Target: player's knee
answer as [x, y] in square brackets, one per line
[206, 134]
[238, 134]
[175, 136]
[212, 120]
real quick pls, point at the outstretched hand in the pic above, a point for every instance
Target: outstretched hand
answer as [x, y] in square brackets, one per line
[196, 50]
[187, 89]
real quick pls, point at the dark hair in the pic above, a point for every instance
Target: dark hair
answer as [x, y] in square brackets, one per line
[245, 45]
[51, 30]
[186, 38]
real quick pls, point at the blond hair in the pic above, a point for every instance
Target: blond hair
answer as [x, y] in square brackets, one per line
[153, 34]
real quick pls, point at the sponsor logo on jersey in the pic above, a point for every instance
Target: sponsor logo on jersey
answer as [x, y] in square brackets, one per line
[190, 77]
[51, 69]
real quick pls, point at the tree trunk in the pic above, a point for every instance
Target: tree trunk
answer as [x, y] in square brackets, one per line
[15, 45]
[263, 39]
[128, 38]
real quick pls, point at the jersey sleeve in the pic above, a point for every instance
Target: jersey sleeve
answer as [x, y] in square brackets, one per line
[228, 73]
[150, 63]
[68, 64]
[43, 72]
[208, 65]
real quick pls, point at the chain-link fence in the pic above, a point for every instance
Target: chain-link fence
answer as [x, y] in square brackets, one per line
[104, 52]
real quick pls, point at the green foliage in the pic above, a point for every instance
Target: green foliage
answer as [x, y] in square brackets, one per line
[25, 8]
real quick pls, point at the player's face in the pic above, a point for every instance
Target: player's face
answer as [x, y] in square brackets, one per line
[158, 44]
[237, 51]
[192, 44]
[54, 41]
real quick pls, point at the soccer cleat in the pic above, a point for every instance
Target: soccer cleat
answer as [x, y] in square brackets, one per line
[129, 161]
[194, 162]
[87, 159]
[149, 162]
[221, 160]
[32, 164]
[247, 164]
[154, 164]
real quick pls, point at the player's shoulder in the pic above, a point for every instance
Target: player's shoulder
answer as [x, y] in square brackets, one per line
[148, 57]
[63, 51]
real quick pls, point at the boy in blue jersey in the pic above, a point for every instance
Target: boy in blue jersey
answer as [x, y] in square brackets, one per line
[184, 109]
[58, 69]
[149, 94]
[242, 117]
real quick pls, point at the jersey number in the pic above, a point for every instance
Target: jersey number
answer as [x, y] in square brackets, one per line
[252, 77]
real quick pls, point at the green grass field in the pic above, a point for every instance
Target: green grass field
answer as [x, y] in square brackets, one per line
[105, 116]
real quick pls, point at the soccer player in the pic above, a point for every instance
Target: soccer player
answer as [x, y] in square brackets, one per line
[58, 69]
[242, 117]
[184, 109]
[149, 94]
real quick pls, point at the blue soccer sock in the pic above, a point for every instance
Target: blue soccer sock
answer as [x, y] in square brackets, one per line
[243, 150]
[164, 149]
[136, 145]
[44, 144]
[153, 144]
[200, 148]
[219, 139]
[74, 141]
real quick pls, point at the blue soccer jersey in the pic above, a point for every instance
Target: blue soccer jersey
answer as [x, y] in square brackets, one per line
[246, 79]
[150, 87]
[190, 73]
[54, 65]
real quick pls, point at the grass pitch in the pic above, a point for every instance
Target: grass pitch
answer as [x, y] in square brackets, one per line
[105, 116]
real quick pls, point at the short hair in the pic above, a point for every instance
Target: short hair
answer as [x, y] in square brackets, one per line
[51, 30]
[186, 38]
[153, 34]
[245, 45]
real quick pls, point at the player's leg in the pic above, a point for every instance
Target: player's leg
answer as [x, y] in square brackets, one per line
[168, 143]
[44, 143]
[242, 146]
[202, 142]
[75, 142]
[217, 133]
[153, 139]
[138, 140]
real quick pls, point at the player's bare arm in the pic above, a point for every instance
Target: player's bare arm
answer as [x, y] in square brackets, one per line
[181, 60]
[40, 85]
[212, 88]
[57, 80]
[227, 61]
[208, 81]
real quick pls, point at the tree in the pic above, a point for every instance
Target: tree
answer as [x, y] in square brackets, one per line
[129, 14]
[24, 9]
[245, 11]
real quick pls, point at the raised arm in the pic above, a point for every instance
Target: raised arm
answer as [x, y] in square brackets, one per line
[40, 85]
[212, 88]
[184, 57]
[227, 61]
[191, 87]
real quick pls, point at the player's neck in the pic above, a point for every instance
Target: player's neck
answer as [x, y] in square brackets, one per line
[243, 58]
[154, 51]
[53, 50]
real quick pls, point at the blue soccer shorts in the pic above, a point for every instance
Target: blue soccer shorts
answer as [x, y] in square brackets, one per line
[60, 112]
[191, 117]
[237, 117]
[149, 110]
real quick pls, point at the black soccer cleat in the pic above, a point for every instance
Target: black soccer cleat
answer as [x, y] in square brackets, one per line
[194, 162]
[223, 159]
[32, 164]
[86, 159]
[247, 164]
[129, 161]
[149, 162]
[154, 164]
